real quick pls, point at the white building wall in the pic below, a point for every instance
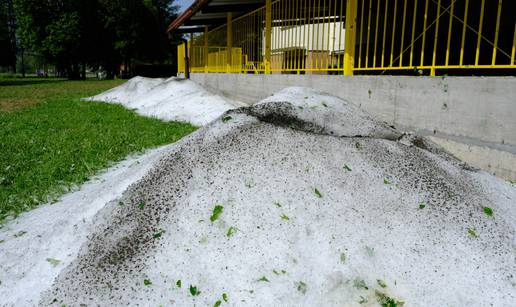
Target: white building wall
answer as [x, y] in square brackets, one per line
[311, 37]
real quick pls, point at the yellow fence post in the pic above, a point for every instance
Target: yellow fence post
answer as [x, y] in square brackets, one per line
[268, 36]
[229, 40]
[206, 49]
[350, 35]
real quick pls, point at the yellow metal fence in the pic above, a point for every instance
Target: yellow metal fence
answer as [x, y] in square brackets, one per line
[357, 37]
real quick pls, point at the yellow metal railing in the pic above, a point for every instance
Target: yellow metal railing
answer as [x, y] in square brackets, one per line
[435, 35]
[359, 37]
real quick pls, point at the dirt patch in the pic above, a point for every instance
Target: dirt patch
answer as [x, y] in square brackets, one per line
[15, 104]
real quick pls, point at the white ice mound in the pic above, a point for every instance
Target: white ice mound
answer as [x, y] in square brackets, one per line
[168, 99]
[276, 205]
[320, 113]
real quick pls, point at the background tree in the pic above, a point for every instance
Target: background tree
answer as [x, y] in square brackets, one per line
[74, 34]
[7, 35]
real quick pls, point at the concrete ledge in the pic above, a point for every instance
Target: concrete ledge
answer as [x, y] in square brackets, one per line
[497, 162]
[476, 112]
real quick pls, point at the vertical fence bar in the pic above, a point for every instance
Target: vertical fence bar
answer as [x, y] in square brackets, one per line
[290, 7]
[384, 31]
[450, 25]
[287, 33]
[413, 33]
[303, 21]
[318, 58]
[393, 32]
[293, 24]
[361, 33]
[206, 68]
[403, 32]
[495, 45]
[268, 25]
[277, 32]
[368, 34]
[329, 61]
[314, 37]
[513, 52]
[434, 52]
[323, 36]
[299, 31]
[229, 39]
[349, 49]
[479, 37]
[422, 59]
[464, 27]
[341, 15]
[333, 53]
[376, 32]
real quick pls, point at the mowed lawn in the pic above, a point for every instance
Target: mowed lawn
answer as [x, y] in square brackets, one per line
[50, 140]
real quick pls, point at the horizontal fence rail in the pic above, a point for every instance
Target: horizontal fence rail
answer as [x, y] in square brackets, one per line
[359, 37]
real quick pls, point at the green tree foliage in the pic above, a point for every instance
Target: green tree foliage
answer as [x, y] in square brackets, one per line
[73, 34]
[7, 37]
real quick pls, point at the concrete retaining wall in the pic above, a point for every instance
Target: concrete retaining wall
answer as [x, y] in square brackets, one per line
[471, 117]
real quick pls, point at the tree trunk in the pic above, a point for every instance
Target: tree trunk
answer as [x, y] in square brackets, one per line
[12, 32]
[23, 62]
[83, 72]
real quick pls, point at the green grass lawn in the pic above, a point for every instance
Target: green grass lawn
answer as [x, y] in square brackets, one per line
[50, 140]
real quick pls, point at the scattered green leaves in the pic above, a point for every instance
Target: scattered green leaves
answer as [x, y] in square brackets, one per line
[217, 211]
[422, 205]
[225, 297]
[347, 168]
[194, 291]
[158, 235]
[147, 282]
[386, 301]
[226, 118]
[386, 181]
[360, 284]
[203, 240]
[53, 262]
[317, 193]
[488, 211]
[472, 232]
[141, 205]
[249, 184]
[264, 279]
[121, 203]
[231, 231]
[178, 283]
[280, 272]
[277, 204]
[301, 287]
[381, 283]
[343, 257]
[20, 233]
[217, 303]
[285, 217]
[369, 251]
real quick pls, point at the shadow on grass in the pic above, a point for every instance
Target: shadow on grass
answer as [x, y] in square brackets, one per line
[28, 81]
